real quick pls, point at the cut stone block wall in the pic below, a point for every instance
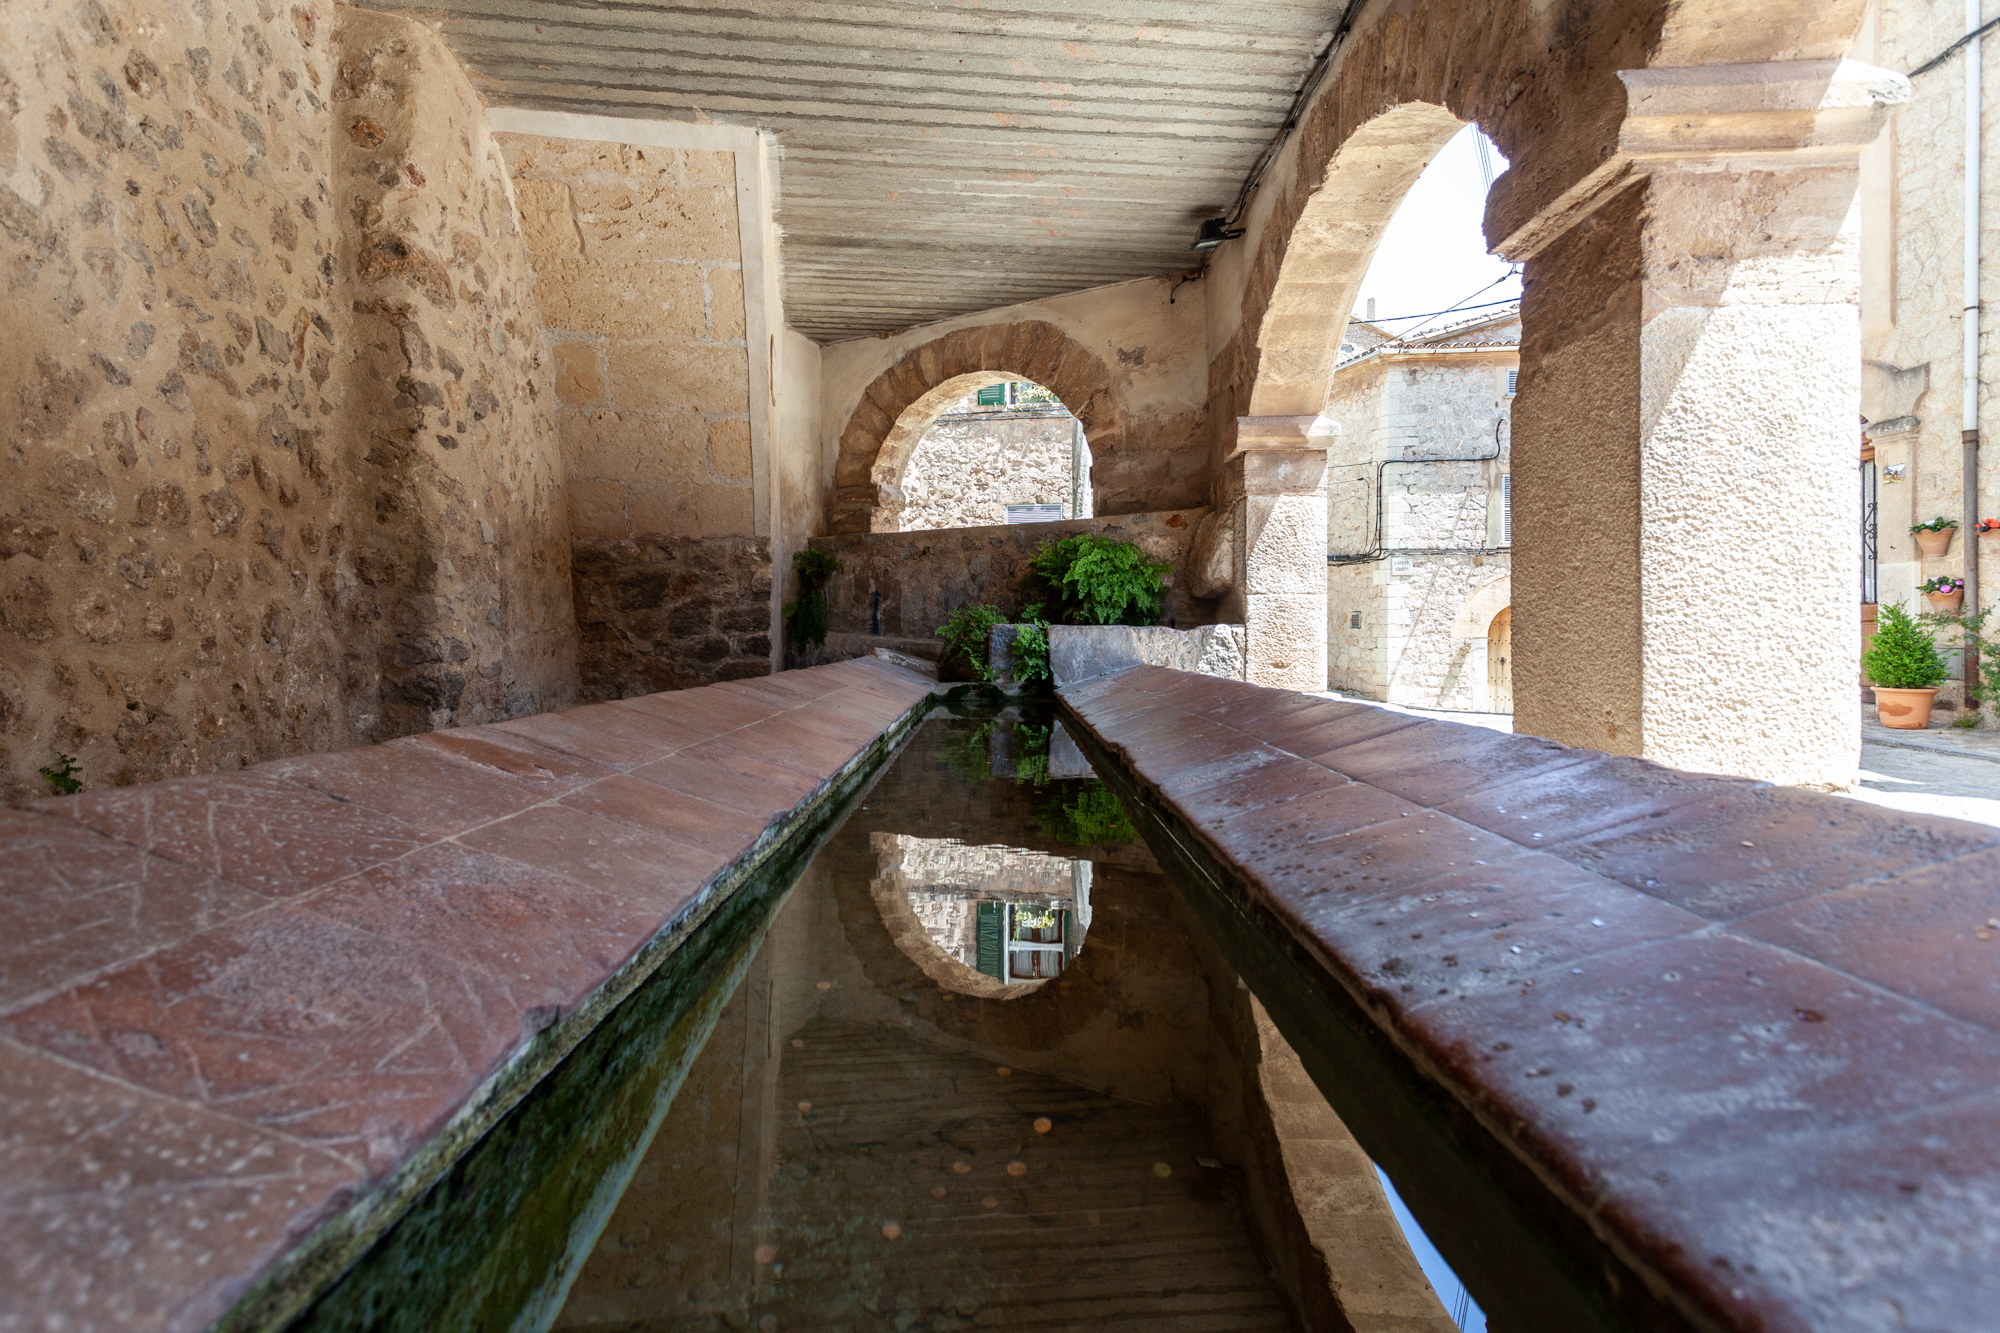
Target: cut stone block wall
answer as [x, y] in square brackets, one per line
[233, 527]
[924, 576]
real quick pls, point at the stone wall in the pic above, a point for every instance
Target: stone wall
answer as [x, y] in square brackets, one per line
[924, 576]
[638, 270]
[969, 467]
[234, 528]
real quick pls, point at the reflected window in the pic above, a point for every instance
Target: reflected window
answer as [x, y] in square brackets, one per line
[982, 920]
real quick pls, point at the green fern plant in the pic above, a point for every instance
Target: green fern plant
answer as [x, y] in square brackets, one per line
[62, 775]
[1904, 655]
[967, 634]
[1089, 579]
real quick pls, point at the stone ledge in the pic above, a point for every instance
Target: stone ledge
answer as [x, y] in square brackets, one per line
[247, 1018]
[1736, 1041]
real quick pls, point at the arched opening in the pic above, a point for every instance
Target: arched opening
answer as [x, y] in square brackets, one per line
[1007, 451]
[1420, 379]
[1500, 662]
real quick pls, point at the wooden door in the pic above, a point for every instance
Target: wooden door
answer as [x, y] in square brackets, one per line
[1499, 663]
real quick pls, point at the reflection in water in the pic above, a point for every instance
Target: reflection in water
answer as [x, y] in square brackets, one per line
[1005, 913]
[931, 1105]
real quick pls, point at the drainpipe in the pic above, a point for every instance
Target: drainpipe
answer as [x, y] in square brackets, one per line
[1969, 424]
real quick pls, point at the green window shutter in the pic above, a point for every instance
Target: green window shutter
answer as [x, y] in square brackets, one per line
[993, 395]
[992, 945]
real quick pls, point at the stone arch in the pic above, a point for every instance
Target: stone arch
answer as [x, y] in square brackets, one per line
[1478, 610]
[901, 402]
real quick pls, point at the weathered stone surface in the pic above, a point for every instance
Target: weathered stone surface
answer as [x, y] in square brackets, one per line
[666, 613]
[247, 516]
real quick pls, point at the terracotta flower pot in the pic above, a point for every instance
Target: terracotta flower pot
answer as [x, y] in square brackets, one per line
[1946, 603]
[1934, 544]
[1908, 709]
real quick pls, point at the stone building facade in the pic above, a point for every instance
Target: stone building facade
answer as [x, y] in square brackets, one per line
[1419, 559]
[1912, 311]
[974, 460]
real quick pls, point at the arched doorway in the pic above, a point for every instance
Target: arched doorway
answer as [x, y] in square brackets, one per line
[1005, 453]
[1500, 662]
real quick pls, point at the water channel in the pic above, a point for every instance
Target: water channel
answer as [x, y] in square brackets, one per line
[983, 1070]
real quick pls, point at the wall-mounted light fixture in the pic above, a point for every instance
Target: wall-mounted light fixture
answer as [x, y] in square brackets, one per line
[1214, 231]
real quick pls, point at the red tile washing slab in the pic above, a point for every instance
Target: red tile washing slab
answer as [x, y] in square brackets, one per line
[1754, 848]
[1269, 785]
[759, 798]
[783, 741]
[1885, 1226]
[120, 1209]
[548, 773]
[1196, 749]
[1671, 1053]
[1258, 710]
[618, 738]
[1483, 929]
[424, 790]
[1319, 738]
[635, 865]
[790, 689]
[548, 940]
[1573, 801]
[848, 731]
[73, 901]
[1280, 830]
[717, 830]
[1395, 854]
[1932, 934]
[719, 712]
[1444, 760]
[251, 827]
[728, 757]
[333, 1036]
[1239, 767]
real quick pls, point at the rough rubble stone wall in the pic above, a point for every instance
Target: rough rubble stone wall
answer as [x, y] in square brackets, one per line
[924, 576]
[458, 609]
[966, 472]
[664, 613]
[638, 273]
[192, 575]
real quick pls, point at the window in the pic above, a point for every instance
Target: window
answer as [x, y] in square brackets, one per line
[1354, 620]
[993, 395]
[1507, 506]
[1513, 382]
[1034, 513]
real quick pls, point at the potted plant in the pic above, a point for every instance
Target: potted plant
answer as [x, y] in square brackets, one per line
[1905, 667]
[1946, 593]
[1987, 527]
[1934, 537]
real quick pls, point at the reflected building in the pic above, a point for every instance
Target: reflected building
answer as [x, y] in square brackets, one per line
[1003, 913]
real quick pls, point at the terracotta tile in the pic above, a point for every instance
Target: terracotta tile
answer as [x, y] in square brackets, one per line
[723, 833]
[1411, 848]
[1431, 767]
[547, 940]
[782, 741]
[1755, 848]
[1320, 712]
[1668, 1054]
[759, 798]
[1482, 929]
[1319, 740]
[1269, 785]
[1889, 1226]
[1084, 693]
[549, 773]
[1192, 752]
[123, 1210]
[822, 721]
[632, 864]
[608, 734]
[339, 1038]
[252, 828]
[1547, 807]
[1238, 765]
[424, 790]
[719, 710]
[1931, 934]
[73, 901]
[731, 759]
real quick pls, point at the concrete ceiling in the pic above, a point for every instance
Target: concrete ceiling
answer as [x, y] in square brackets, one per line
[937, 158]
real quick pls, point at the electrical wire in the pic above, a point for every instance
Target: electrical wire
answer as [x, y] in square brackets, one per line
[1299, 101]
[1407, 334]
[1426, 314]
[1952, 50]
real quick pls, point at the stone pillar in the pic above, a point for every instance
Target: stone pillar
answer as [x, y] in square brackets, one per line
[1275, 486]
[1686, 516]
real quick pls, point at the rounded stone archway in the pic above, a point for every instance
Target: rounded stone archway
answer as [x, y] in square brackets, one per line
[902, 401]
